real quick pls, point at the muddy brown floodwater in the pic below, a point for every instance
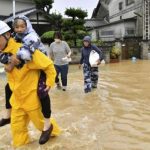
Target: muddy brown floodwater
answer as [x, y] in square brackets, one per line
[115, 116]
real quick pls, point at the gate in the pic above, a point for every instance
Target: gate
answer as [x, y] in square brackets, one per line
[131, 47]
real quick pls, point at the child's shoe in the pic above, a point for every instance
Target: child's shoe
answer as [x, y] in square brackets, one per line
[4, 122]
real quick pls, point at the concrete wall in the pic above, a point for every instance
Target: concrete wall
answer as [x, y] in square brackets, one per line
[145, 49]
[76, 54]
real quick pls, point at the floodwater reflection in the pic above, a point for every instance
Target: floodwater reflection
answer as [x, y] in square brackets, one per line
[115, 116]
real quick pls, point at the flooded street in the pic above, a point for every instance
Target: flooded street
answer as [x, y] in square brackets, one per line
[115, 116]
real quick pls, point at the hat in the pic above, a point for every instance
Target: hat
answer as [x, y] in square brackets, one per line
[87, 38]
[4, 27]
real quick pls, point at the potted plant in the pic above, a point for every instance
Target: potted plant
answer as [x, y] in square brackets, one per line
[114, 54]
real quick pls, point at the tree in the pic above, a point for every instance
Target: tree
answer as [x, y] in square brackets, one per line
[74, 28]
[44, 5]
[76, 13]
[55, 21]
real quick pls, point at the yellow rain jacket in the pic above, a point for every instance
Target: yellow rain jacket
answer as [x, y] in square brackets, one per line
[24, 100]
[24, 82]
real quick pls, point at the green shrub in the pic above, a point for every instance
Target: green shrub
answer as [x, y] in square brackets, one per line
[48, 37]
[98, 42]
[115, 52]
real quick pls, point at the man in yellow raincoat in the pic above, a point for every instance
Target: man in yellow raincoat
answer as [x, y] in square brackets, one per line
[23, 83]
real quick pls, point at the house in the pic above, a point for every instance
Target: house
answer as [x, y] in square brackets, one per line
[124, 22]
[122, 19]
[6, 6]
[27, 8]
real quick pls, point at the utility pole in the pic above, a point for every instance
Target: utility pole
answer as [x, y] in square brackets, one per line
[146, 19]
[146, 30]
[14, 8]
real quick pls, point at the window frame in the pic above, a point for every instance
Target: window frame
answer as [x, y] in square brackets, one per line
[107, 32]
[129, 2]
[120, 6]
[129, 31]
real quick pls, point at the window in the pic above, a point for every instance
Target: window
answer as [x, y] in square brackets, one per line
[129, 2]
[120, 6]
[109, 32]
[130, 32]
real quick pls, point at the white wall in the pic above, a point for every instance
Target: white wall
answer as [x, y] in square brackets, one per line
[114, 9]
[119, 31]
[6, 7]
[93, 34]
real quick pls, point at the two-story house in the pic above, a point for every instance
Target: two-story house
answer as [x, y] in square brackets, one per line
[123, 19]
[124, 22]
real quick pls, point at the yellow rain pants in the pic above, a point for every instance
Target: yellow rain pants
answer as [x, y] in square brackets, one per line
[19, 123]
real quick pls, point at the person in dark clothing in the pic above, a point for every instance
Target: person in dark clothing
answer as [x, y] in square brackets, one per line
[90, 73]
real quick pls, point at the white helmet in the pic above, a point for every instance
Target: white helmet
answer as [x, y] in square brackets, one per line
[4, 27]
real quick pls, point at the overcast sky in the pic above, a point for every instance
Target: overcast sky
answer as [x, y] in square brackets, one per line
[61, 5]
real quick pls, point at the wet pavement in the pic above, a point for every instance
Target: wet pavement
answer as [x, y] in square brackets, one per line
[115, 116]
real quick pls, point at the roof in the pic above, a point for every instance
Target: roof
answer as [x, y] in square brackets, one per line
[21, 13]
[92, 23]
[101, 10]
[2, 17]
[24, 1]
[116, 22]
[95, 11]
